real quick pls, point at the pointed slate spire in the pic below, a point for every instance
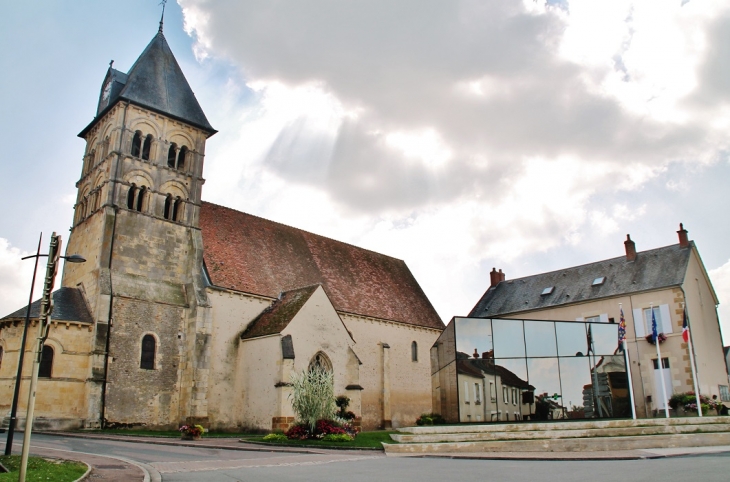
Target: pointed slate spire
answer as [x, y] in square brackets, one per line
[156, 82]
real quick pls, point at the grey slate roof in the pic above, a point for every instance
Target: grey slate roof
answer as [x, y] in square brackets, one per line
[652, 269]
[156, 82]
[68, 305]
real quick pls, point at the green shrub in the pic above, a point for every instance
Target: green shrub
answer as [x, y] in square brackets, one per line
[337, 437]
[430, 419]
[275, 437]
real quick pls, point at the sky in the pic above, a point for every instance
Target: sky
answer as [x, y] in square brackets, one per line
[458, 136]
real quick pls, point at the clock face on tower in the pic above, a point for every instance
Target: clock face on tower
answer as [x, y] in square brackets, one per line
[105, 93]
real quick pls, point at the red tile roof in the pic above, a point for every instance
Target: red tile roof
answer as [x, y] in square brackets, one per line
[254, 255]
[278, 316]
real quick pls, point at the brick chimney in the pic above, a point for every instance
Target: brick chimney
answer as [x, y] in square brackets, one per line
[630, 249]
[683, 240]
[494, 277]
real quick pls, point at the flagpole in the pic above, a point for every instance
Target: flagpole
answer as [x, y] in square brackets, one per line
[690, 348]
[627, 361]
[659, 356]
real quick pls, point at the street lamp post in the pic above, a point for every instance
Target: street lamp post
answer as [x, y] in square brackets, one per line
[74, 258]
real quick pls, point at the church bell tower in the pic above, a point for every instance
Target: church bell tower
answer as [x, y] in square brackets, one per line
[136, 222]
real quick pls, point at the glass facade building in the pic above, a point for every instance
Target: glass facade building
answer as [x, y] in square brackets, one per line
[499, 370]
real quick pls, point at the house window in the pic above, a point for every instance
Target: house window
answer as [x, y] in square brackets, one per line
[146, 147]
[477, 394]
[659, 321]
[505, 394]
[466, 392]
[514, 396]
[665, 363]
[172, 155]
[137, 144]
[724, 391]
[492, 392]
[414, 351]
[149, 348]
[593, 319]
[46, 365]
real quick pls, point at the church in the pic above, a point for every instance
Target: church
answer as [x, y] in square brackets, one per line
[191, 312]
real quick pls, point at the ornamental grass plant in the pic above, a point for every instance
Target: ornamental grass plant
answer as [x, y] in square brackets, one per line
[312, 396]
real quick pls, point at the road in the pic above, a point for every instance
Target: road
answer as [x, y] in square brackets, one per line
[197, 464]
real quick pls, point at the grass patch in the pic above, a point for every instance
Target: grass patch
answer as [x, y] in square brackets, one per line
[40, 469]
[160, 433]
[364, 440]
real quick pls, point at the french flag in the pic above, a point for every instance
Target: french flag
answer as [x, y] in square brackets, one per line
[685, 327]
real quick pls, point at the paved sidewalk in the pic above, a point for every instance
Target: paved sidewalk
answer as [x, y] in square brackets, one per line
[103, 468]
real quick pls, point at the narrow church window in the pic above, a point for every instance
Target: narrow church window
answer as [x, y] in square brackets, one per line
[177, 210]
[320, 361]
[1, 357]
[167, 212]
[140, 198]
[181, 157]
[131, 195]
[146, 147]
[90, 161]
[414, 351]
[136, 144]
[171, 155]
[149, 346]
[46, 366]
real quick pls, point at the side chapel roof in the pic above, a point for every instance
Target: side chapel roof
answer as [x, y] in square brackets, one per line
[68, 305]
[156, 82]
[281, 312]
[652, 269]
[254, 255]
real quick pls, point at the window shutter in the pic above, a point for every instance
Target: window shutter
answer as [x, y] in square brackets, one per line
[604, 317]
[666, 319]
[639, 323]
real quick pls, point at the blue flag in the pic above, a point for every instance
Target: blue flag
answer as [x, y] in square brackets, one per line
[654, 334]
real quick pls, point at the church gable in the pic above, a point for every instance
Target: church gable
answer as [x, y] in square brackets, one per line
[254, 255]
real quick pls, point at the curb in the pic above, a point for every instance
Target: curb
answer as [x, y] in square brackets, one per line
[86, 474]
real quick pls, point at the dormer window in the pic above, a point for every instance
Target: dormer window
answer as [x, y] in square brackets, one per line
[547, 291]
[599, 281]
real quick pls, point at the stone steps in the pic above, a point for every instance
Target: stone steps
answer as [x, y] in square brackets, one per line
[563, 436]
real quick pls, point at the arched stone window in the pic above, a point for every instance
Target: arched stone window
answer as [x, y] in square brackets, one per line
[181, 157]
[140, 198]
[167, 211]
[321, 361]
[414, 351]
[147, 147]
[46, 365]
[177, 210]
[172, 155]
[137, 144]
[149, 349]
[131, 196]
[90, 160]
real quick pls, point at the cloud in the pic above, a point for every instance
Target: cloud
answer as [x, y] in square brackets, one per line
[15, 278]
[721, 281]
[407, 127]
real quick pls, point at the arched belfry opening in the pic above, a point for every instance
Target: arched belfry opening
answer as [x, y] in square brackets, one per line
[320, 361]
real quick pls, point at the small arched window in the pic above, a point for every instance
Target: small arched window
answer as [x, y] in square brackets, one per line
[137, 144]
[181, 157]
[131, 196]
[172, 155]
[146, 147]
[140, 198]
[46, 365]
[167, 211]
[90, 160]
[414, 351]
[149, 347]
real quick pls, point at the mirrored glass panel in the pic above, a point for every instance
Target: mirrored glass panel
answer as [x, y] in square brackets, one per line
[474, 336]
[571, 338]
[613, 387]
[575, 375]
[513, 393]
[605, 338]
[540, 338]
[544, 375]
[443, 351]
[508, 338]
